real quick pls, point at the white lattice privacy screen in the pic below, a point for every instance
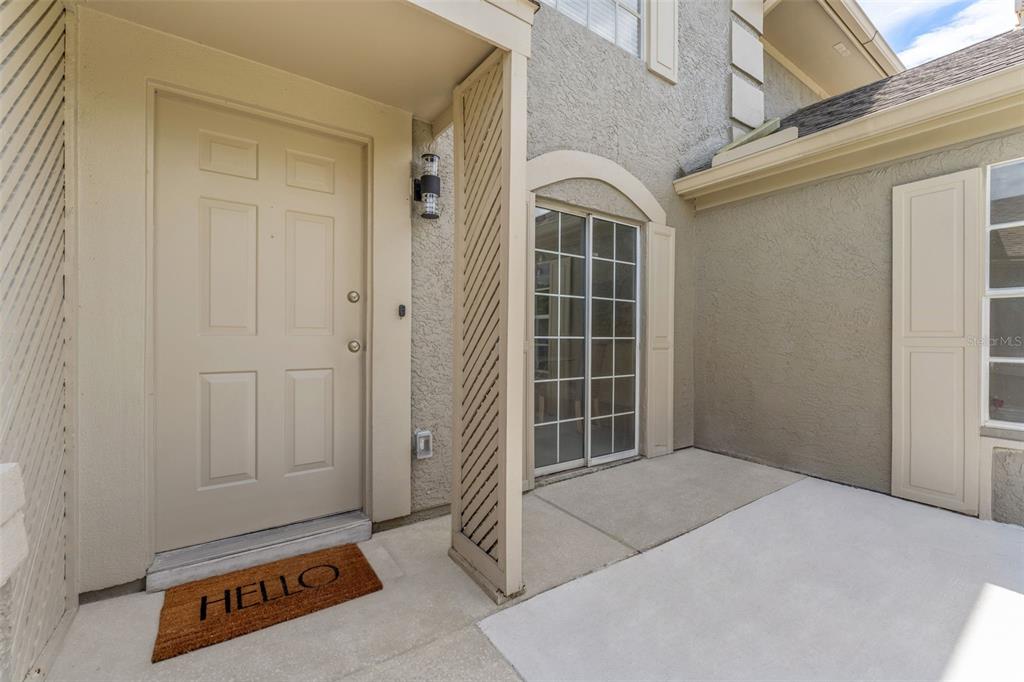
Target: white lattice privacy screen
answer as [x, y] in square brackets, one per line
[32, 37]
[488, 347]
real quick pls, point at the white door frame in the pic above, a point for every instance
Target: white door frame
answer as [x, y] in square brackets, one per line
[641, 311]
[152, 88]
[655, 435]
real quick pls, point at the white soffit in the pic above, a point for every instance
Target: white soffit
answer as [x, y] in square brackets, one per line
[390, 52]
[831, 41]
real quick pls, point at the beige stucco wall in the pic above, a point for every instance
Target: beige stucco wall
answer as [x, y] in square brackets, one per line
[433, 255]
[588, 95]
[793, 320]
[116, 58]
[784, 93]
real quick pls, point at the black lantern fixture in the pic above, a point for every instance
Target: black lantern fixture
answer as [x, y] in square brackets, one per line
[428, 187]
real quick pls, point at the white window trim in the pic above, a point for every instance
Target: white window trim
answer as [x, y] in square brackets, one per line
[989, 294]
[623, 5]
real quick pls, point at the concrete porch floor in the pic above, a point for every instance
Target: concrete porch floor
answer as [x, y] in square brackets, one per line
[803, 579]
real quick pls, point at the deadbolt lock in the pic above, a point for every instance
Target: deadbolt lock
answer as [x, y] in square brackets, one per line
[354, 346]
[353, 297]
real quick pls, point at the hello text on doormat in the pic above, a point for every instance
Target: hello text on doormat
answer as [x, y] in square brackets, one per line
[217, 609]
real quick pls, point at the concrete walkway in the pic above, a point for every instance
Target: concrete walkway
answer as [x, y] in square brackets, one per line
[632, 614]
[815, 582]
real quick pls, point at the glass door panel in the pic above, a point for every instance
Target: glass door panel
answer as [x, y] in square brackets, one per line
[585, 315]
[559, 324]
[613, 343]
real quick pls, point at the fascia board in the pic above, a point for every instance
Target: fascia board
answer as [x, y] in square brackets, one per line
[1003, 90]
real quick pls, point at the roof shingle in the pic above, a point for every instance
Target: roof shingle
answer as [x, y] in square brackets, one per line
[958, 67]
[981, 59]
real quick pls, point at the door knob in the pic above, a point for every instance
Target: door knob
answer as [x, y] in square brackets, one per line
[353, 297]
[354, 346]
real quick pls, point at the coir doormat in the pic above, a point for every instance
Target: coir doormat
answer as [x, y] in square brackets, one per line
[217, 609]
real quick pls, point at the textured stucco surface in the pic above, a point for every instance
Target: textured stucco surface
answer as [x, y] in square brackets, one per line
[793, 320]
[6, 631]
[589, 95]
[433, 251]
[783, 92]
[1008, 486]
[594, 195]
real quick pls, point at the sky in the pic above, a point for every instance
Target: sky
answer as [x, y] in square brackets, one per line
[921, 30]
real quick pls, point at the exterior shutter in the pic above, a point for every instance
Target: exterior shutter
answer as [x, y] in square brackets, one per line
[935, 369]
[663, 38]
[659, 338]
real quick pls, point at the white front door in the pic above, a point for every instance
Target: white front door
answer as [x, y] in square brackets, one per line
[259, 323]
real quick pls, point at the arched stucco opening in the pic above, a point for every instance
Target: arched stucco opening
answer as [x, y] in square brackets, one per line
[567, 164]
[658, 282]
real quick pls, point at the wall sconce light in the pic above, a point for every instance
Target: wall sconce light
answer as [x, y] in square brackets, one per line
[427, 187]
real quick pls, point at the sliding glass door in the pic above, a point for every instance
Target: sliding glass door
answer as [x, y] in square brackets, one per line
[586, 314]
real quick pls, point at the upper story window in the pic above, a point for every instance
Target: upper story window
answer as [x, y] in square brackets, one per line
[618, 21]
[1004, 294]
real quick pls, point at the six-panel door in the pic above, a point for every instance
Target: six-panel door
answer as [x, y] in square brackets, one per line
[259, 238]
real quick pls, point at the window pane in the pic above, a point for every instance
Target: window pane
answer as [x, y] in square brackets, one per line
[1007, 193]
[624, 319]
[545, 445]
[625, 399]
[574, 230]
[545, 364]
[625, 243]
[1006, 392]
[545, 402]
[603, 278]
[602, 312]
[602, 18]
[632, 4]
[625, 281]
[545, 316]
[574, 272]
[545, 273]
[600, 397]
[601, 437]
[602, 361]
[570, 441]
[572, 317]
[1006, 328]
[625, 357]
[571, 360]
[629, 32]
[604, 239]
[574, 9]
[1006, 258]
[625, 432]
[570, 399]
[547, 230]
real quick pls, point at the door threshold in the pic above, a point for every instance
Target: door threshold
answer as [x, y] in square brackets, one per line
[178, 566]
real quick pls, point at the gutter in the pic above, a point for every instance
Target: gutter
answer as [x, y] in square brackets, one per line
[850, 14]
[985, 106]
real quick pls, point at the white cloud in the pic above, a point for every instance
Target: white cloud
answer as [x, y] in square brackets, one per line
[889, 15]
[980, 20]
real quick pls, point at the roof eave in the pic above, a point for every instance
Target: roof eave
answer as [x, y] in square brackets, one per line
[978, 108]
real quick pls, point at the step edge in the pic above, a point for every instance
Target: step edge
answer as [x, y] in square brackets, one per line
[162, 579]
